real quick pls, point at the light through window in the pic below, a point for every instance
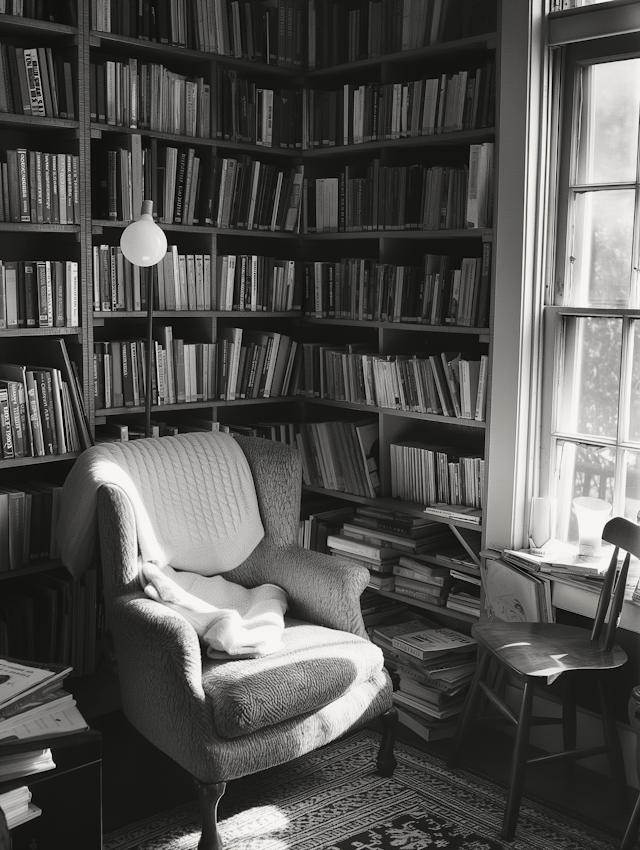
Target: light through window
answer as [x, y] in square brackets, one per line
[594, 325]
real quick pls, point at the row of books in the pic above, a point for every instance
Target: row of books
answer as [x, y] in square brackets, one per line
[39, 187]
[271, 33]
[412, 557]
[342, 33]
[434, 477]
[241, 364]
[285, 32]
[52, 617]
[150, 96]
[355, 114]
[35, 82]
[445, 384]
[39, 294]
[29, 513]
[40, 412]
[187, 189]
[340, 456]
[413, 197]
[42, 10]
[240, 282]
[444, 290]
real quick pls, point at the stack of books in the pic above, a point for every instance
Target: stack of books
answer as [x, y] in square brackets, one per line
[421, 581]
[381, 538]
[464, 594]
[434, 667]
[33, 705]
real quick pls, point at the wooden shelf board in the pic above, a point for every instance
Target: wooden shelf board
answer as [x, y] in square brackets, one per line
[441, 610]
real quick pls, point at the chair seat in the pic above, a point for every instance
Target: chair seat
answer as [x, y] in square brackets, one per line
[544, 650]
[316, 667]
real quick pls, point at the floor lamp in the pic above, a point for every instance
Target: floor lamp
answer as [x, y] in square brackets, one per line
[144, 244]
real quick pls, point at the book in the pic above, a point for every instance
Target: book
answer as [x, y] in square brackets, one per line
[427, 729]
[423, 643]
[14, 765]
[17, 806]
[18, 679]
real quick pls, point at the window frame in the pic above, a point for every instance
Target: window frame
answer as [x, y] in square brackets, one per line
[565, 64]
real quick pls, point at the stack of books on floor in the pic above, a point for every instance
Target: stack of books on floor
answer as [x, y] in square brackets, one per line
[433, 667]
[379, 539]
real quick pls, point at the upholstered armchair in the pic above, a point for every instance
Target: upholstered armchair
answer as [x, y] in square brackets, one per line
[222, 719]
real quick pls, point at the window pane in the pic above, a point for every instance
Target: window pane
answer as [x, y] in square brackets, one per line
[632, 488]
[588, 398]
[583, 471]
[602, 247]
[633, 424]
[608, 143]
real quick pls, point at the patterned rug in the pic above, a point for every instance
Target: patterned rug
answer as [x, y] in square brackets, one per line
[333, 799]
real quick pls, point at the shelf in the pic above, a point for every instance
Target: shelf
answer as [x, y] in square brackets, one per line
[191, 405]
[411, 508]
[20, 332]
[126, 44]
[483, 42]
[441, 610]
[97, 226]
[37, 123]
[10, 463]
[31, 569]
[390, 411]
[484, 233]
[32, 227]
[462, 137]
[31, 26]
[399, 326]
[100, 317]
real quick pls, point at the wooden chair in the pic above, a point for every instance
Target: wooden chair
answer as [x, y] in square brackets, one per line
[536, 654]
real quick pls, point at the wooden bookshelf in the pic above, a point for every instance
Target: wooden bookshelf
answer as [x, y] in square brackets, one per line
[86, 44]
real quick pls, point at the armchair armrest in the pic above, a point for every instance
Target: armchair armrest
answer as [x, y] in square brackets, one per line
[322, 589]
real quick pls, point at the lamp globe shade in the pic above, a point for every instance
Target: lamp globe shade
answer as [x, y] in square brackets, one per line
[143, 243]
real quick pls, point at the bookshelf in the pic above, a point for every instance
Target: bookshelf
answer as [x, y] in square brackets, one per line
[220, 80]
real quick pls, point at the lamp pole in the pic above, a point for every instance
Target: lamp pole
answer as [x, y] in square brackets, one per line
[144, 244]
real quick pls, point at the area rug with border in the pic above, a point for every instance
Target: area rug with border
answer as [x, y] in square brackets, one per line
[332, 799]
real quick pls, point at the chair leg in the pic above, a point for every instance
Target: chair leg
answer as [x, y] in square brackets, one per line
[518, 765]
[569, 723]
[614, 747]
[386, 761]
[632, 829]
[469, 710]
[209, 795]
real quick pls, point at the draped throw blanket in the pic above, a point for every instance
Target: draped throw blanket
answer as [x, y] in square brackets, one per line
[196, 511]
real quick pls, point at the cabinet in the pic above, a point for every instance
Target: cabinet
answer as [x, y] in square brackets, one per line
[70, 795]
[164, 105]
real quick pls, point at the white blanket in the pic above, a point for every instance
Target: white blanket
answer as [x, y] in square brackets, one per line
[195, 510]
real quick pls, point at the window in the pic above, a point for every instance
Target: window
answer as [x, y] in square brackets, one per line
[591, 400]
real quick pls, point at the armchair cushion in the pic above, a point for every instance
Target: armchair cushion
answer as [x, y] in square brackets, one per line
[317, 666]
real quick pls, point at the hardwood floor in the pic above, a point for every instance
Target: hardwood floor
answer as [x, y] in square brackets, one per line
[140, 781]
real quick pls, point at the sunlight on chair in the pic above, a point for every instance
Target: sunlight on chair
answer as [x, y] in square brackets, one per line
[253, 824]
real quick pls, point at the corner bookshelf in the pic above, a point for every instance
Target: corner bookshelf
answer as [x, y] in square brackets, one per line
[228, 74]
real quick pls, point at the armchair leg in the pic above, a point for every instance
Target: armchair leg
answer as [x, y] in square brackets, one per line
[209, 795]
[386, 762]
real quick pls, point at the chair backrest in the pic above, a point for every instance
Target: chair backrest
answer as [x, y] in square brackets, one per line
[624, 535]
